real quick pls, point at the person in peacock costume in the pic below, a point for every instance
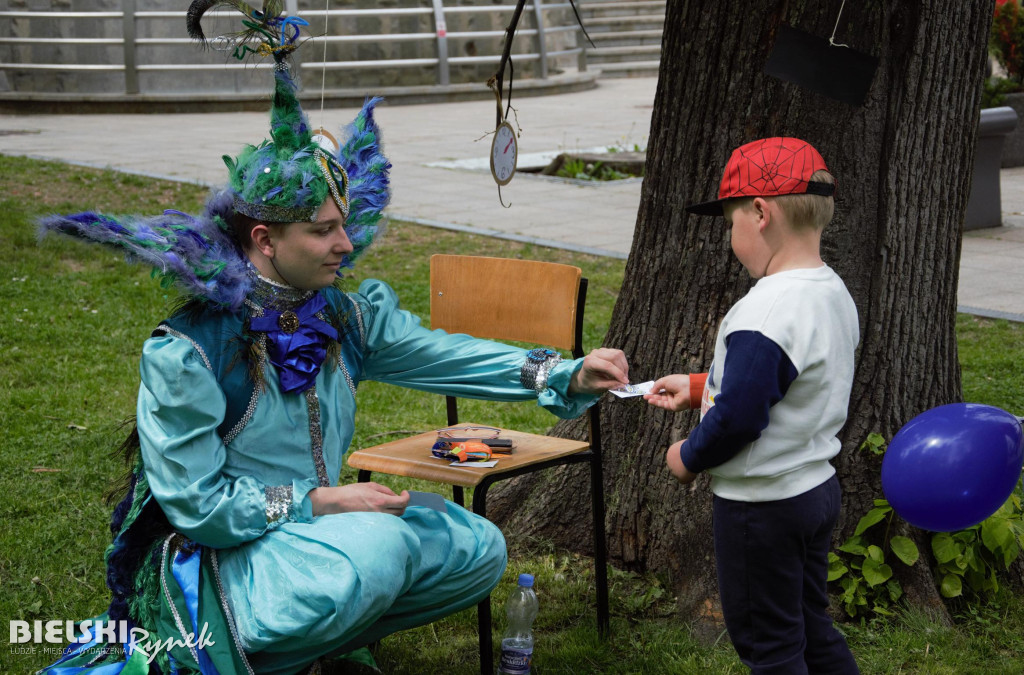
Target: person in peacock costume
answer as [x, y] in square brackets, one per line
[232, 525]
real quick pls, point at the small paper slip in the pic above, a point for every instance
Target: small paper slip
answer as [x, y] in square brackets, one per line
[430, 500]
[482, 465]
[633, 389]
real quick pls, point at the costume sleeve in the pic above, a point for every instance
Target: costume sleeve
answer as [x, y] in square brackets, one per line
[756, 375]
[179, 409]
[401, 351]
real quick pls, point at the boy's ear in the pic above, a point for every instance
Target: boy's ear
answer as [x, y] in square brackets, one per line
[763, 212]
[262, 240]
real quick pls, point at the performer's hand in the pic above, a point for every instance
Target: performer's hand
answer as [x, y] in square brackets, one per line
[358, 497]
[602, 369]
[671, 392]
[676, 466]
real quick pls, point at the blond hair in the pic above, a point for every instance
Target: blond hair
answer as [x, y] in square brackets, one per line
[809, 211]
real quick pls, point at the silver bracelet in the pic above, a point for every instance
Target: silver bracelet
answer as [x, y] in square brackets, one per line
[538, 365]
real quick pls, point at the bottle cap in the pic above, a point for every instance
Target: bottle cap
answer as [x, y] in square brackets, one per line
[526, 580]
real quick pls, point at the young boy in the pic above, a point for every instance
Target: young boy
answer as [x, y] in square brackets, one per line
[774, 398]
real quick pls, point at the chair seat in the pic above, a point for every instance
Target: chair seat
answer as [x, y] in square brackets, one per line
[411, 457]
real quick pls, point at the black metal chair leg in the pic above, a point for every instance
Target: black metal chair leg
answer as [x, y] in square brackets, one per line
[483, 620]
[483, 609]
[600, 553]
[597, 504]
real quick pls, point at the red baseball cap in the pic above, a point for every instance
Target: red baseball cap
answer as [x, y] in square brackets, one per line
[768, 168]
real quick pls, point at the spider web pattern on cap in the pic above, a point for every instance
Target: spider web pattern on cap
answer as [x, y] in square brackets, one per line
[770, 167]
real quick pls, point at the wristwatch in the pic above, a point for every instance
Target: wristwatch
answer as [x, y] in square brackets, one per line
[538, 365]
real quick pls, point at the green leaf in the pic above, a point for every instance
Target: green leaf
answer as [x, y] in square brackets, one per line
[944, 547]
[876, 573]
[855, 546]
[951, 586]
[998, 537]
[874, 443]
[905, 549]
[836, 568]
[882, 611]
[876, 554]
[895, 590]
[872, 517]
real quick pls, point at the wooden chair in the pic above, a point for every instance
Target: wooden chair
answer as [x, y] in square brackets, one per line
[535, 302]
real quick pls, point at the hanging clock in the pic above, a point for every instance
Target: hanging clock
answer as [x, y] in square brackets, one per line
[503, 153]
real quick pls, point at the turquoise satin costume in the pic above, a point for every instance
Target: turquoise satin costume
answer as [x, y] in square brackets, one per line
[299, 587]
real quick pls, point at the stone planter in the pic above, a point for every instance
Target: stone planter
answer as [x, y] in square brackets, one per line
[984, 206]
[1013, 148]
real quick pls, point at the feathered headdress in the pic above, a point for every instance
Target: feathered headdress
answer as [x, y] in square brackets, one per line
[285, 179]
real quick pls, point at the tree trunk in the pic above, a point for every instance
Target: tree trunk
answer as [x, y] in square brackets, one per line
[903, 164]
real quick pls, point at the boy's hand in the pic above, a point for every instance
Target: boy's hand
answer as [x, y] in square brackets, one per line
[671, 392]
[676, 466]
[603, 369]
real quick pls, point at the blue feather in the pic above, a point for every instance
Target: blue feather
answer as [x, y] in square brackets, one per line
[369, 185]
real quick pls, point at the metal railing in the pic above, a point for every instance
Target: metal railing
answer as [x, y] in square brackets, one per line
[548, 20]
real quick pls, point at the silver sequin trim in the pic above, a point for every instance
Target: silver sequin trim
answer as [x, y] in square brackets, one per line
[276, 214]
[359, 322]
[279, 502]
[170, 603]
[256, 390]
[348, 378]
[229, 618]
[362, 345]
[170, 331]
[316, 438]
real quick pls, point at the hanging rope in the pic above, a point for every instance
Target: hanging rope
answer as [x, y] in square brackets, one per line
[323, 72]
[832, 40]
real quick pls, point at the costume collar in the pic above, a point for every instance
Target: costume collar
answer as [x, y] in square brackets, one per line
[268, 294]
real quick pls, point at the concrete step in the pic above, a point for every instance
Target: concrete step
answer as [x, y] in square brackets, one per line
[621, 54]
[626, 34]
[613, 7]
[627, 38]
[644, 34]
[624, 23]
[618, 4]
[638, 9]
[631, 69]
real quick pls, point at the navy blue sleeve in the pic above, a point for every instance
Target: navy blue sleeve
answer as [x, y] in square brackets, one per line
[755, 376]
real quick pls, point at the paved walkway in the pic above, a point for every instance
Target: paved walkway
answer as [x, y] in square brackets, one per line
[441, 176]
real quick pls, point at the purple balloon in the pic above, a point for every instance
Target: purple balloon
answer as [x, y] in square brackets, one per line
[953, 466]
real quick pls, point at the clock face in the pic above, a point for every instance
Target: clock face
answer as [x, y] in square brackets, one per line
[503, 153]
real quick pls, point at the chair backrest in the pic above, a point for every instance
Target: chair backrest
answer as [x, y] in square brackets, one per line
[506, 299]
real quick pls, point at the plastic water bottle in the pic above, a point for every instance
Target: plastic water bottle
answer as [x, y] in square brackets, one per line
[517, 644]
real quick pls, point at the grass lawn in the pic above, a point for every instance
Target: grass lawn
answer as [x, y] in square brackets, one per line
[72, 321]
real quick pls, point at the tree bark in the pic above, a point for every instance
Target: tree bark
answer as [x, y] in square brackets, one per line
[903, 164]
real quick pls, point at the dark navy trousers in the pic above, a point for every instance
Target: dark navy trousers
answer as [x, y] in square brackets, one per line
[772, 560]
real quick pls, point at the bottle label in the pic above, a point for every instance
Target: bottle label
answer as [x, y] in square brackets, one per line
[516, 661]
